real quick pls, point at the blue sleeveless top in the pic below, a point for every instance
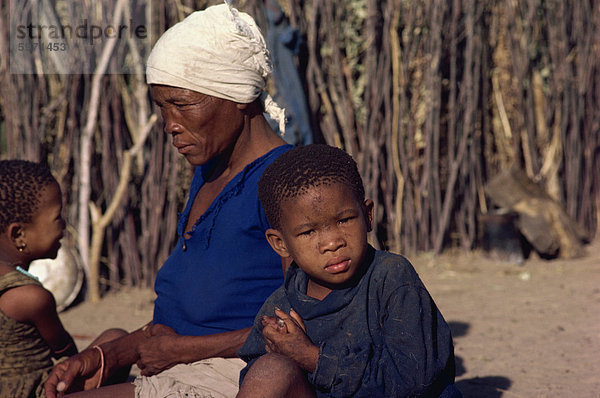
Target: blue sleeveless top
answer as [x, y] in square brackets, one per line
[220, 273]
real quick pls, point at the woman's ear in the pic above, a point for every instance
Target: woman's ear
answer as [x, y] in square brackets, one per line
[252, 108]
[276, 241]
[368, 210]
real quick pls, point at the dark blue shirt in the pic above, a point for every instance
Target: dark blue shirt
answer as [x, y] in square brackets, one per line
[219, 274]
[382, 337]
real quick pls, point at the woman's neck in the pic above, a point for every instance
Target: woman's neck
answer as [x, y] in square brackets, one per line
[256, 139]
[220, 166]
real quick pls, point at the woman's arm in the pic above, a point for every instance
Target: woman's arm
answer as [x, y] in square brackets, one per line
[154, 349]
[83, 369]
[164, 348]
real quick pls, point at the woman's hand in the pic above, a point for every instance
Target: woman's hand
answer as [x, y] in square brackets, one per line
[286, 334]
[156, 351]
[79, 372]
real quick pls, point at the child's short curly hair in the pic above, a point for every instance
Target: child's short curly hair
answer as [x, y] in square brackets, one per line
[301, 168]
[21, 183]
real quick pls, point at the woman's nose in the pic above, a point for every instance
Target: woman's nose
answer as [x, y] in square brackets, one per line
[170, 122]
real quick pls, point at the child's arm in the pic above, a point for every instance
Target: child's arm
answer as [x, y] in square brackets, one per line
[254, 346]
[35, 305]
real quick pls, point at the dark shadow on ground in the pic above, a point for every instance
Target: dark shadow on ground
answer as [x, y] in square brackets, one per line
[478, 387]
[484, 387]
[460, 369]
[459, 329]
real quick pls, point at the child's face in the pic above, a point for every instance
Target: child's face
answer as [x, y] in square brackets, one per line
[325, 231]
[44, 232]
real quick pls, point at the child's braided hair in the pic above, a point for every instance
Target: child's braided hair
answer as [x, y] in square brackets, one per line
[21, 183]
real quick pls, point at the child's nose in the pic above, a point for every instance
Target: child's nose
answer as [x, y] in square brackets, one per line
[331, 240]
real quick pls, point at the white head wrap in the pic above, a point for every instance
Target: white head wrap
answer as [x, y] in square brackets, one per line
[218, 51]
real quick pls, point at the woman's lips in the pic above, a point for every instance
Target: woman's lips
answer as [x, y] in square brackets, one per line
[338, 266]
[183, 148]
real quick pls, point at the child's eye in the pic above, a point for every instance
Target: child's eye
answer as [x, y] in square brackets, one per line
[346, 219]
[306, 233]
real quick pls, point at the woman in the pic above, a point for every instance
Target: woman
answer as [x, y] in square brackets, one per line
[207, 76]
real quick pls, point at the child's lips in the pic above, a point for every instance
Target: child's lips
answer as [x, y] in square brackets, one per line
[337, 265]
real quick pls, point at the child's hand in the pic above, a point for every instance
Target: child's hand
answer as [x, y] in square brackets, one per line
[286, 334]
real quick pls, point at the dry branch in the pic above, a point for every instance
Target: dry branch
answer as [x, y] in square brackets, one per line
[86, 147]
[101, 221]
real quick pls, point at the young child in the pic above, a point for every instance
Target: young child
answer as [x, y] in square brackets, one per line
[349, 320]
[31, 227]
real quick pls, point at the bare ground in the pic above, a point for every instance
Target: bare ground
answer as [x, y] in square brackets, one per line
[530, 330]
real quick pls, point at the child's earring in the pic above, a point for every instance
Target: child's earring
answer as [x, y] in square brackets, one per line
[21, 248]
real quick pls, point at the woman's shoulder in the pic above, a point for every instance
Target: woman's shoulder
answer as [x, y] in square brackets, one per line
[258, 165]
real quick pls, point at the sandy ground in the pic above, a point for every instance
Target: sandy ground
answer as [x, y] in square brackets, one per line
[530, 330]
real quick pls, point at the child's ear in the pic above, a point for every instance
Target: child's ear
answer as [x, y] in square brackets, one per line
[16, 234]
[276, 241]
[368, 210]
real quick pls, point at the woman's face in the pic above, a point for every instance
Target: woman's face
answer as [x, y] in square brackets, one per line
[202, 126]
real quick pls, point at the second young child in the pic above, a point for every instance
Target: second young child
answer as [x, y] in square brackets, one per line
[31, 227]
[349, 320]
